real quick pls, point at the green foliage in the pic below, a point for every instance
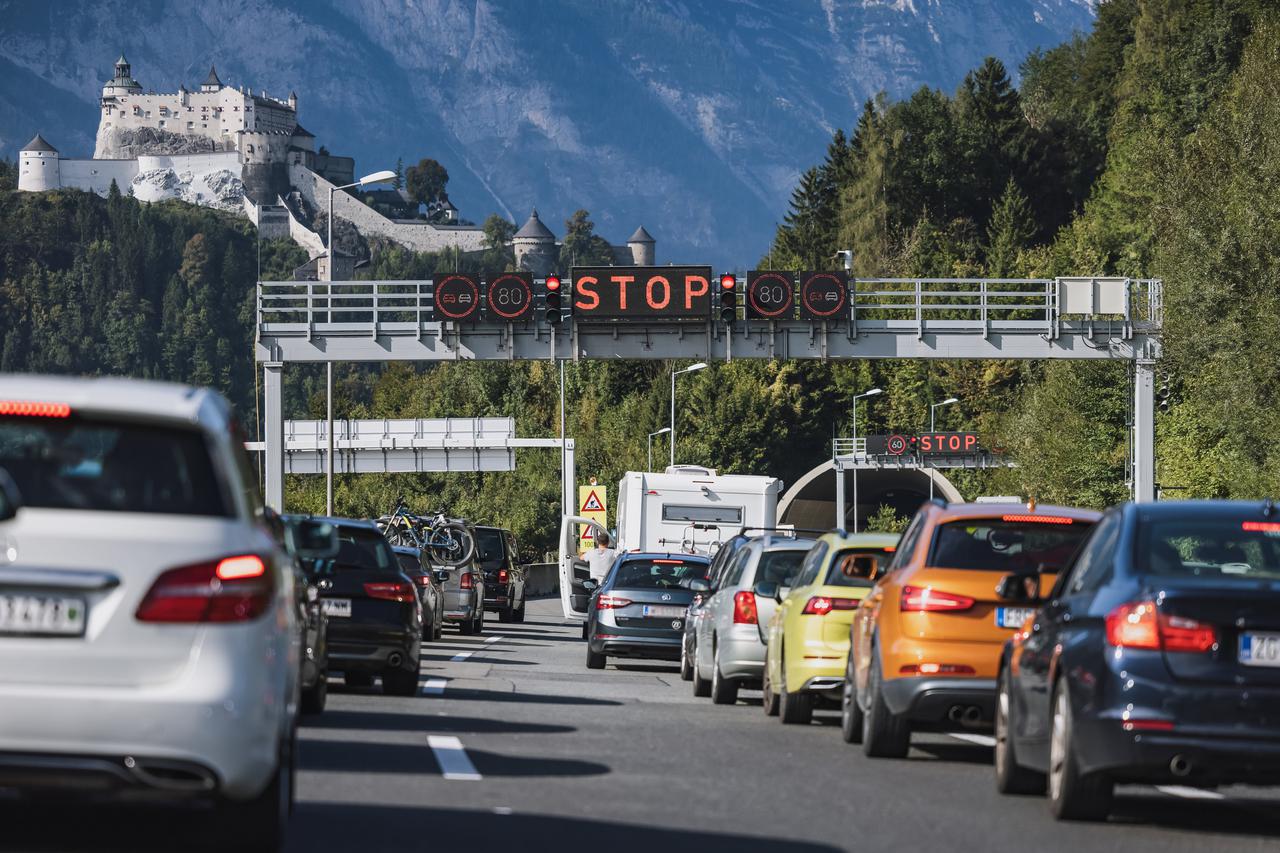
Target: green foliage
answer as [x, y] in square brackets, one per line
[582, 247]
[886, 520]
[427, 182]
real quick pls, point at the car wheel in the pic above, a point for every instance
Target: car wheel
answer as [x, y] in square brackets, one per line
[850, 710]
[884, 734]
[479, 629]
[429, 631]
[506, 615]
[467, 628]
[517, 616]
[400, 682]
[259, 824]
[794, 708]
[723, 691]
[1011, 777]
[595, 660]
[701, 686]
[315, 696]
[1072, 796]
[770, 702]
[357, 679]
[686, 668]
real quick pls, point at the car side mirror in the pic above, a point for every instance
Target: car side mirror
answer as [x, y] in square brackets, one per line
[312, 539]
[1020, 587]
[590, 585]
[10, 500]
[767, 589]
[699, 585]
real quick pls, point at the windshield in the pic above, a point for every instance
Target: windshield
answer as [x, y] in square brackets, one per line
[111, 466]
[846, 571]
[780, 567]
[1231, 550]
[1007, 546]
[488, 544]
[657, 574]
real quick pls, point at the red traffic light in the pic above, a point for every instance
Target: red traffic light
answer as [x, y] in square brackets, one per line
[728, 281]
[553, 282]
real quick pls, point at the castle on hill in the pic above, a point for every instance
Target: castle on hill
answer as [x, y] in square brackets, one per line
[226, 147]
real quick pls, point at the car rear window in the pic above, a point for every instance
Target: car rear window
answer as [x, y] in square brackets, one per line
[106, 465]
[488, 544]
[842, 571]
[657, 573]
[1000, 545]
[408, 563]
[1230, 550]
[363, 550]
[780, 567]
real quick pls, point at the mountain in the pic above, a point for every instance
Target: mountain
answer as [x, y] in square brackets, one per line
[692, 118]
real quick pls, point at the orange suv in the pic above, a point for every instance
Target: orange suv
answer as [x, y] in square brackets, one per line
[925, 644]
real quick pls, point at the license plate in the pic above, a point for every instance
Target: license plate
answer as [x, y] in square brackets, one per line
[337, 606]
[35, 614]
[657, 611]
[1257, 649]
[1013, 617]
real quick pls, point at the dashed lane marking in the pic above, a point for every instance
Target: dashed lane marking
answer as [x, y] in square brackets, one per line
[980, 740]
[461, 656]
[434, 687]
[1190, 793]
[452, 758]
[494, 639]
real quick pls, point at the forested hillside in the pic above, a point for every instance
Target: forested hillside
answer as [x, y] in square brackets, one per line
[1149, 147]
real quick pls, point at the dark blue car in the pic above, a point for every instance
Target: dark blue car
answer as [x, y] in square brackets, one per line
[1155, 659]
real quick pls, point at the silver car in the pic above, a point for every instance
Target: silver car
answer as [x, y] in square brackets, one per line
[729, 637]
[149, 642]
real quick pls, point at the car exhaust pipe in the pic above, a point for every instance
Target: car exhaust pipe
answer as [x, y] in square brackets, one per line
[972, 716]
[174, 776]
[955, 713]
[394, 660]
[1180, 766]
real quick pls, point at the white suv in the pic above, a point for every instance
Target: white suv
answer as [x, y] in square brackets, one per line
[148, 642]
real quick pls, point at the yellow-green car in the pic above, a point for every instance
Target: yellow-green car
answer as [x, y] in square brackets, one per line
[808, 636]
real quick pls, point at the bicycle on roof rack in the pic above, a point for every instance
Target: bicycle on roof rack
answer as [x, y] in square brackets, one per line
[447, 541]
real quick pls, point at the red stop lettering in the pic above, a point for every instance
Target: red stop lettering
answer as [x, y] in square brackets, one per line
[585, 286]
[690, 292]
[657, 305]
[622, 281]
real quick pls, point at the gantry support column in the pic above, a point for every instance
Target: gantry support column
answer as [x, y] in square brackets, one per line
[273, 433]
[840, 517]
[1144, 430]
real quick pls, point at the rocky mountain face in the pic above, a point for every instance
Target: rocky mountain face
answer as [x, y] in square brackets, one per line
[692, 117]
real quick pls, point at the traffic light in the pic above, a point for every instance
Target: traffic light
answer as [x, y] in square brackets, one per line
[727, 293]
[554, 302]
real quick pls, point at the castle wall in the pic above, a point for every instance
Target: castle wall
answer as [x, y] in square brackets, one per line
[420, 237]
[228, 160]
[97, 175]
[219, 116]
[302, 235]
[39, 171]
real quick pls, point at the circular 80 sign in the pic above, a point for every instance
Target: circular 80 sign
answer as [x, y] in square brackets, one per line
[770, 295]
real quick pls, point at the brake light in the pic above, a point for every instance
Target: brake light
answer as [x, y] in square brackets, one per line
[1040, 519]
[1139, 625]
[502, 576]
[466, 581]
[670, 562]
[821, 605]
[922, 599]
[234, 589]
[424, 580]
[34, 409]
[607, 602]
[1134, 725]
[390, 591]
[1261, 526]
[744, 608]
[937, 669]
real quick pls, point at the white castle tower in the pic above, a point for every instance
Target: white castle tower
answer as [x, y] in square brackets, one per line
[38, 166]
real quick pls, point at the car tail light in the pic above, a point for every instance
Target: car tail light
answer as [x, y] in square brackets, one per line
[1139, 625]
[922, 599]
[937, 669]
[1039, 519]
[502, 576]
[744, 608]
[390, 591]
[821, 605]
[1135, 725]
[1261, 526]
[466, 581]
[233, 589]
[607, 602]
[424, 580]
[34, 409]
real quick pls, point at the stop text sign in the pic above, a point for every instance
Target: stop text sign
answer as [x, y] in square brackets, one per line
[641, 293]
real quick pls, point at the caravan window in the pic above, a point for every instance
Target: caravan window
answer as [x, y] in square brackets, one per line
[702, 514]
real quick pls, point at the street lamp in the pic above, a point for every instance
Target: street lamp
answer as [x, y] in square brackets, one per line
[873, 392]
[662, 431]
[932, 410]
[690, 369]
[376, 178]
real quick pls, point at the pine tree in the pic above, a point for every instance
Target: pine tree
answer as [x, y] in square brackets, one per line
[398, 183]
[1010, 230]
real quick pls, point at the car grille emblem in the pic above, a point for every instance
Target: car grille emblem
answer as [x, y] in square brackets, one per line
[666, 596]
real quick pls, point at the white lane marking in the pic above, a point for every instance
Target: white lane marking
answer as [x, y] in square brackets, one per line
[434, 687]
[452, 758]
[462, 656]
[494, 639]
[502, 810]
[1190, 793]
[980, 740]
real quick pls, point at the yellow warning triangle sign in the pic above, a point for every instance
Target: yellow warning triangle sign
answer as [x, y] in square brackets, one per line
[592, 503]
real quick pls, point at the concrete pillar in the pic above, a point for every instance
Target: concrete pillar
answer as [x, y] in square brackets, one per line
[273, 433]
[568, 498]
[839, 496]
[1144, 431]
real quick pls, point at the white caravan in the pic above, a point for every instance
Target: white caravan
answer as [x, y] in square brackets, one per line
[685, 509]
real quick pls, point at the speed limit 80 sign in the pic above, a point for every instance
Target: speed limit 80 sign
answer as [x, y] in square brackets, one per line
[771, 295]
[508, 297]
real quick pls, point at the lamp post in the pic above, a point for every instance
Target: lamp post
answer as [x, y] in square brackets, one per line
[375, 178]
[690, 369]
[873, 392]
[933, 408]
[662, 431]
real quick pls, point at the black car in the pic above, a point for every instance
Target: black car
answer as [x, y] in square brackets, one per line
[428, 582]
[1155, 659]
[375, 616]
[503, 575]
[308, 540]
[640, 609]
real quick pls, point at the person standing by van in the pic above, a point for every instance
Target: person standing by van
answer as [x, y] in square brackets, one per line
[600, 558]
